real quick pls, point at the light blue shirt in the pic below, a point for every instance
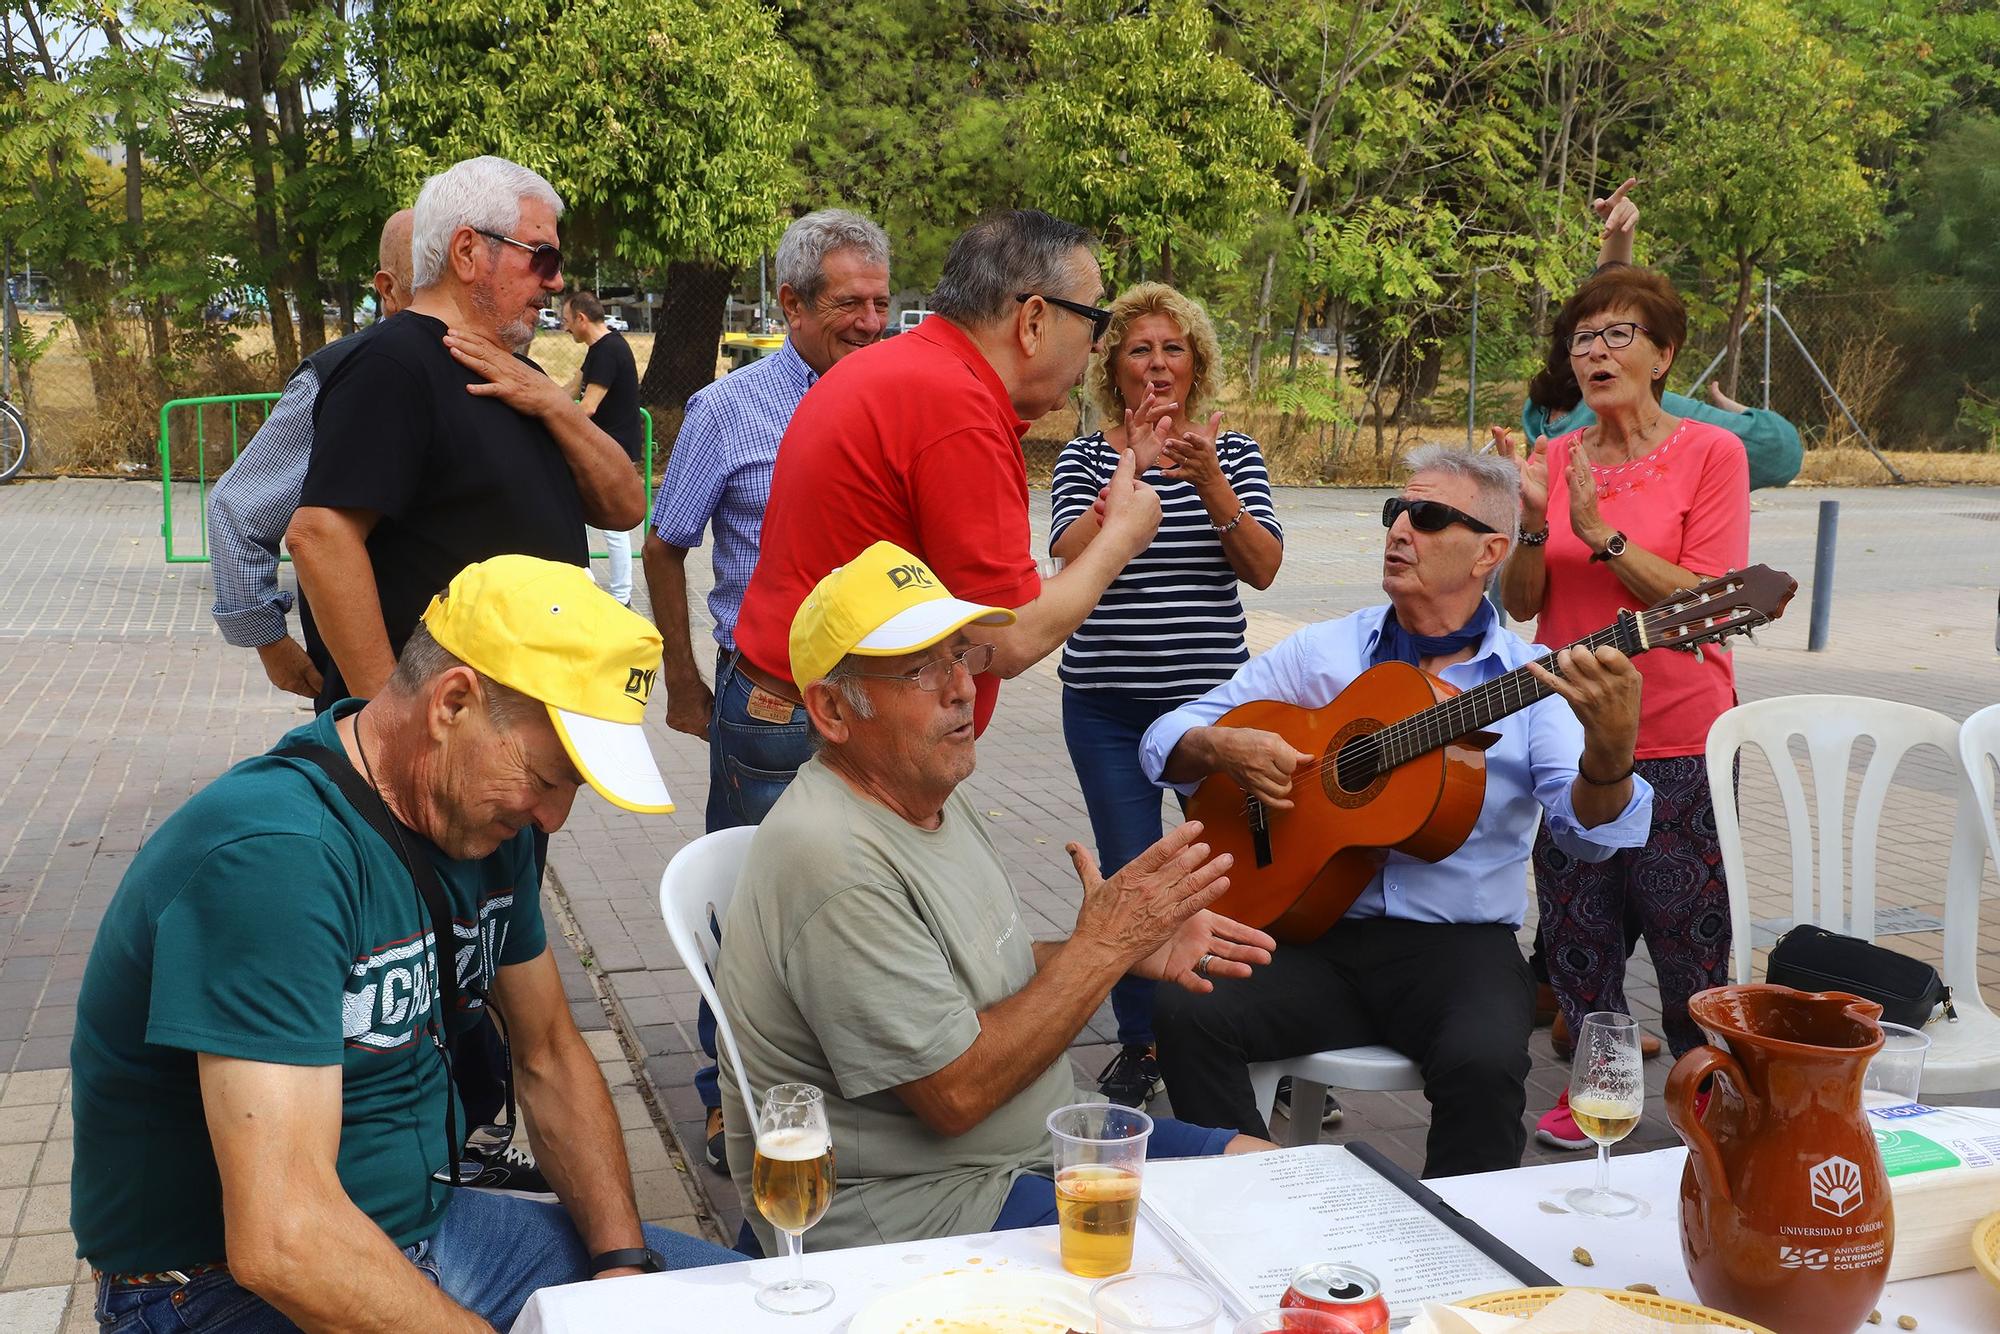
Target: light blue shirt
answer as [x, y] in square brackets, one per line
[720, 472]
[249, 507]
[1528, 772]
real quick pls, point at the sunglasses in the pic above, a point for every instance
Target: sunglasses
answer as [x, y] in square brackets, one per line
[544, 259]
[1099, 317]
[1429, 516]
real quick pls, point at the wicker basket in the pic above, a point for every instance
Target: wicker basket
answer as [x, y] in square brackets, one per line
[1986, 1248]
[1527, 1301]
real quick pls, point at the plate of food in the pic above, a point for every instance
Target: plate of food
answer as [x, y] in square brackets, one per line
[980, 1302]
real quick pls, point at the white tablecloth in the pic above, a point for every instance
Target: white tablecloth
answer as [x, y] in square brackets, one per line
[1522, 1207]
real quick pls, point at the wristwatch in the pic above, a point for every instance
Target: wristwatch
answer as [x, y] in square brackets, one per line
[632, 1257]
[1613, 548]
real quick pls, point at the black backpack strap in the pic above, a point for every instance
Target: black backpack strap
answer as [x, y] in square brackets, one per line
[370, 806]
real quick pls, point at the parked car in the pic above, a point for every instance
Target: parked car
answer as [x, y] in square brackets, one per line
[906, 321]
[547, 319]
[616, 324]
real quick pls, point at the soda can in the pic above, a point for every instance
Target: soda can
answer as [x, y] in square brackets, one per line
[1345, 1290]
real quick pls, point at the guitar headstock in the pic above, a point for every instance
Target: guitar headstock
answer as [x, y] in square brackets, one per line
[1729, 604]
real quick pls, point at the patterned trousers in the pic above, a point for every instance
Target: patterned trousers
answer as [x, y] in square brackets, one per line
[1673, 886]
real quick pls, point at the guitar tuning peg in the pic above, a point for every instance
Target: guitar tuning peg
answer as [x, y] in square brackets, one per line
[1697, 654]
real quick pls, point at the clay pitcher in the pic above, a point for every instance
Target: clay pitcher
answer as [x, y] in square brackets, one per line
[1785, 1210]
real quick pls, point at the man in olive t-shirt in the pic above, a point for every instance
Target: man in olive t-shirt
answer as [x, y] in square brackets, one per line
[875, 949]
[259, 1094]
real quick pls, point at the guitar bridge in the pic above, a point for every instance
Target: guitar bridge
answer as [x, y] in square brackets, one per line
[1260, 832]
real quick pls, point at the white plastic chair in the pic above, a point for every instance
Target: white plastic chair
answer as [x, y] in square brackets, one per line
[699, 882]
[1836, 890]
[1979, 752]
[1364, 1069]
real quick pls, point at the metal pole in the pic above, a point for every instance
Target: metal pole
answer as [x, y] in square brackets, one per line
[7, 320]
[1702, 379]
[1834, 394]
[763, 259]
[1822, 606]
[1472, 370]
[1767, 344]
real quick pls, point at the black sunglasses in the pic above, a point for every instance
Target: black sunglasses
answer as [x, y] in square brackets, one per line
[1099, 317]
[1429, 516]
[544, 259]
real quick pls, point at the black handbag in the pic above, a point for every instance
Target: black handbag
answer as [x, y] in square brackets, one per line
[1811, 958]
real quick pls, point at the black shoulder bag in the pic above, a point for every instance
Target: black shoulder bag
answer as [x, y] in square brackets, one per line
[1812, 958]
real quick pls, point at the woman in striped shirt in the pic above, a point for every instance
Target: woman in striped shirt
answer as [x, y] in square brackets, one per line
[1171, 626]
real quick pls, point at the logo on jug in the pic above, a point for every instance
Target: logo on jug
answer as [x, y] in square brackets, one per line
[1836, 1187]
[1802, 1257]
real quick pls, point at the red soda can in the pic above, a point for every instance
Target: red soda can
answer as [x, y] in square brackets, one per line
[1348, 1291]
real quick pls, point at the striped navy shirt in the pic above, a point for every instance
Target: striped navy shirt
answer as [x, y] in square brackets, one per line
[1171, 625]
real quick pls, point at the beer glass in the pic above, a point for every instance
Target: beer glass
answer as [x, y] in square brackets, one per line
[792, 1183]
[1100, 1148]
[1607, 1093]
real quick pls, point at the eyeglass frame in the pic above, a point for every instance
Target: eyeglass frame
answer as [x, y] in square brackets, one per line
[1590, 336]
[535, 252]
[943, 668]
[1100, 318]
[1396, 505]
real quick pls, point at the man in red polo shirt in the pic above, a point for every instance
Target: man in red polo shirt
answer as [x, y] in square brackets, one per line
[917, 441]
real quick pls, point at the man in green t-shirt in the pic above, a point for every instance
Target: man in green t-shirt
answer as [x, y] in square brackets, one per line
[261, 1093]
[875, 949]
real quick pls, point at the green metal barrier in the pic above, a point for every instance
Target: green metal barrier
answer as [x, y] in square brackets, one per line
[235, 403]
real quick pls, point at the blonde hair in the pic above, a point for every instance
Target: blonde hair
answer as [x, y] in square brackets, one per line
[1156, 299]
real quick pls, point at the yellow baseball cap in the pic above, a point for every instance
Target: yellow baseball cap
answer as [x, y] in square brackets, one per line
[883, 602]
[547, 630]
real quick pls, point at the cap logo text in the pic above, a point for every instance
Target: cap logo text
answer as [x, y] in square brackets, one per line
[639, 683]
[904, 576]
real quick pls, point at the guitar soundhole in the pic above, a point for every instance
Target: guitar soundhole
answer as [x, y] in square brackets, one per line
[1351, 779]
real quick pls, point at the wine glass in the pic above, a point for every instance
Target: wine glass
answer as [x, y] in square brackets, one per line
[1607, 1092]
[792, 1183]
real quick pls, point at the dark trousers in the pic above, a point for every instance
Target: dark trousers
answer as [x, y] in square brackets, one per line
[1456, 999]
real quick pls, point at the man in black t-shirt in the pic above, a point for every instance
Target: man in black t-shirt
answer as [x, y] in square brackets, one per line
[609, 387]
[437, 446]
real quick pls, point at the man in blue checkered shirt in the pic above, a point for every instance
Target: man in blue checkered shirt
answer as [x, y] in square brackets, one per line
[833, 284]
[252, 502]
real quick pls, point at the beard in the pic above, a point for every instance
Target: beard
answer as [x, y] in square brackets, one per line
[516, 334]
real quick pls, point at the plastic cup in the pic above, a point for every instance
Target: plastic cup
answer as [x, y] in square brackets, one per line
[1297, 1320]
[1896, 1073]
[1154, 1304]
[1100, 1154]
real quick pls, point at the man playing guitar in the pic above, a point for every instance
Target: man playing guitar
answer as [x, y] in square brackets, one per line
[1425, 961]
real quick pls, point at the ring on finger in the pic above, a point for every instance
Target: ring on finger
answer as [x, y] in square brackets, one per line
[1201, 964]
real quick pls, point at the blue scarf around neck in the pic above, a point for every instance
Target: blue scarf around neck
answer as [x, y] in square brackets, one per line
[1395, 644]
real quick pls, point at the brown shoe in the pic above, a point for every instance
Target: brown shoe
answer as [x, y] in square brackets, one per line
[1565, 1046]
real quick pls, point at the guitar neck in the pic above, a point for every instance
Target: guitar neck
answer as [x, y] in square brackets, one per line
[1486, 704]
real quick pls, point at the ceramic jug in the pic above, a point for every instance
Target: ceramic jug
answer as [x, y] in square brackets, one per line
[1785, 1211]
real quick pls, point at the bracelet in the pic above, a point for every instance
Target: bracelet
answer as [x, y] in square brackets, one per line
[1606, 782]
[1225, 529]
[632, 1257]
[1534, 539]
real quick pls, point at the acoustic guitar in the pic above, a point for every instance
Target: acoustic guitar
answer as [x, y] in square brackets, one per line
[1400, 763]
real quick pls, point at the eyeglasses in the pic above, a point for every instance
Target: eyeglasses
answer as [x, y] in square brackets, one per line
[1614, 335]
[1099, 317]
[933, 676]
[544, 259]
[1429, 516]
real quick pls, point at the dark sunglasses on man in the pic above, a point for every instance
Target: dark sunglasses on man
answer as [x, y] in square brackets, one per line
[544, 259]
[1099, 317]
[1429, 516]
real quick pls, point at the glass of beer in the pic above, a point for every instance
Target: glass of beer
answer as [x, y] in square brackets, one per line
[792, 1183]
[1100, 1150]
[1607, 1095]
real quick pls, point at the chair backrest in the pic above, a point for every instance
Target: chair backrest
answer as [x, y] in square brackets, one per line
[1825, 890]
[1979, 754]
[698, 884]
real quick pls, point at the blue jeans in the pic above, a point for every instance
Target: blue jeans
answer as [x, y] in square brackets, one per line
[490, 1253]
[1102, 729]
[750, 764]
[1032, 1200]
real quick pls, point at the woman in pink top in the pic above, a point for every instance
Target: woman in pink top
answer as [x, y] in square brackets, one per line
[1620, 515]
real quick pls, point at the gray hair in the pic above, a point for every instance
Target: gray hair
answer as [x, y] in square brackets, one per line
[483, 193]
[1498, 480]
[1003, 255]
[423, 660]
[846, 679]
[802, 252]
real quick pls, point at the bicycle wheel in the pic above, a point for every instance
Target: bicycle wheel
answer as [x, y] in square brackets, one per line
[13, 440]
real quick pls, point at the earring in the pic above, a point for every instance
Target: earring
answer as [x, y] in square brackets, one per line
[1656, 372]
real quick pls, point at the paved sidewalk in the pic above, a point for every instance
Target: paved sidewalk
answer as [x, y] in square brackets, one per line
[118, 700]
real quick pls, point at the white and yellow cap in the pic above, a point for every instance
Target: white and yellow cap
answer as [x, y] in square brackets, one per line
[882, 603]
[547, 630]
